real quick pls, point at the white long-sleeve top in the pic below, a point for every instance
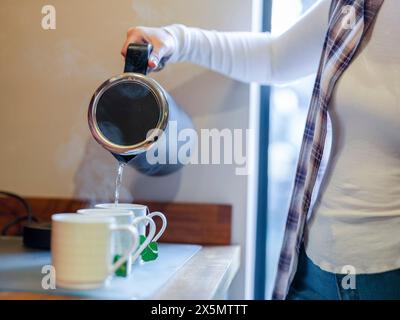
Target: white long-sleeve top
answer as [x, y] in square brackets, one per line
[356, 218]
[259, 57]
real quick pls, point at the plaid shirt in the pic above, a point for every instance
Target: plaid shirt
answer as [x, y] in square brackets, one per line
[348, 23]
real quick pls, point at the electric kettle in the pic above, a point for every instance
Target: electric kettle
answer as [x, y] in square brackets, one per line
[131, 113]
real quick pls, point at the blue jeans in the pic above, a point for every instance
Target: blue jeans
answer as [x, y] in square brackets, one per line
[312, 283]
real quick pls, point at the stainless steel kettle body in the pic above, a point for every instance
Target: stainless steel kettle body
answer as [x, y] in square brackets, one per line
[130, 114]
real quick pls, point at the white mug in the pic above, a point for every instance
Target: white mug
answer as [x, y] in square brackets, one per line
[139, 210]
[125, 217]
[81, 249]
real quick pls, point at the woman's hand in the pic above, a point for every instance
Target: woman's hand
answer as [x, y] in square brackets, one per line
[163, 44]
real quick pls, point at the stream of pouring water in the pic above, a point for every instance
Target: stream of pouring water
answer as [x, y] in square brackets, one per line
[118, 181]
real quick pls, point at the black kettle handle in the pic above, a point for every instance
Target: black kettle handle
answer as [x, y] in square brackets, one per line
[137, 57]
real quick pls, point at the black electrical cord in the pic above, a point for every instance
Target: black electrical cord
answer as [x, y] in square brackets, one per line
[16, 221]
[28, 212]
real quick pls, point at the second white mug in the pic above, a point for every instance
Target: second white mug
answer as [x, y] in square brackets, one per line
[125, 217]
[139, 210]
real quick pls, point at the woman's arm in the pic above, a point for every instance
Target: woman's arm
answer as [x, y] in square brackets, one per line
[244, 56]
[259, 57]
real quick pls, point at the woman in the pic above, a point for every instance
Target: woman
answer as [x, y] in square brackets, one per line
[350, 248]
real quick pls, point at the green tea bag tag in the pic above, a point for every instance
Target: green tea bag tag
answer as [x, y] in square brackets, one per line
[150, 253]
[122, 271]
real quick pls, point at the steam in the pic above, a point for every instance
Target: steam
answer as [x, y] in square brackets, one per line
[95, 177]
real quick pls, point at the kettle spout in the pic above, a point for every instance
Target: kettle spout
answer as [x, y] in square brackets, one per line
[122, 158]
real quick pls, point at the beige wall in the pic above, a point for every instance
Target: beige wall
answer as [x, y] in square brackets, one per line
[48, 77]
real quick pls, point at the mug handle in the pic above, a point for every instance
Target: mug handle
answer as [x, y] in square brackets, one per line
[149, 237]
[164, 223]
[134, 243]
